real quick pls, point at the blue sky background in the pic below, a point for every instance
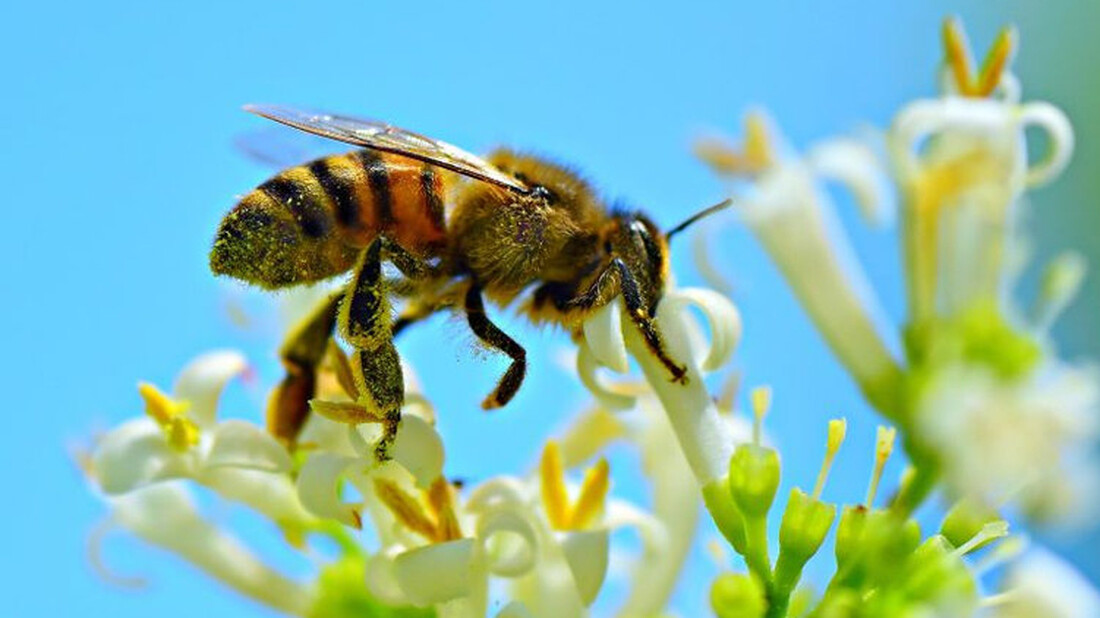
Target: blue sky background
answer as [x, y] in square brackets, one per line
[117, 124]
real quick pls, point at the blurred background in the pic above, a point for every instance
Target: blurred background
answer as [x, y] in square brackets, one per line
[118, 162]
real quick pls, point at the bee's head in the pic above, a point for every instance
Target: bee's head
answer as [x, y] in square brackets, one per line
[637, 241]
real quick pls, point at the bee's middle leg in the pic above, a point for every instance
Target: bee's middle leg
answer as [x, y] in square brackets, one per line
[364, 322]
[491, 334]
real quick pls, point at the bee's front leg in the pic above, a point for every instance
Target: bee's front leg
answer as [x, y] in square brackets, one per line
[639, 313]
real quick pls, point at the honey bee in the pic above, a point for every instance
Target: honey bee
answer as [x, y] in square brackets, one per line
[458, 228]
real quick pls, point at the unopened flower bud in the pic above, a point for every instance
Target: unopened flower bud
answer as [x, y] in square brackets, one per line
[754, 478]
[805, 523]
[966, 519]
[737, 595]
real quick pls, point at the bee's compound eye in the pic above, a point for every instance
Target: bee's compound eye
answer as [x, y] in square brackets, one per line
[542, 193]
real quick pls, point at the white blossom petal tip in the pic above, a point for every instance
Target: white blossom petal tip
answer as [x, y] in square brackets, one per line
[135, 454]
[604, 336]
[586, 552]
[202, 380]
[723, 319]
[240, 444]
[437, 573]
[320, 484]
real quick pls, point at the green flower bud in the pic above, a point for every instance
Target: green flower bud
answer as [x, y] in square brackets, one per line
[805, 523]
[936, 575]
[737, 595]
[966, 519]
[754, 478]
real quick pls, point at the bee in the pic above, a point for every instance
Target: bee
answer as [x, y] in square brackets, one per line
[458, 228]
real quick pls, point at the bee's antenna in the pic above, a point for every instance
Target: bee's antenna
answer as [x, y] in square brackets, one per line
[706, 212]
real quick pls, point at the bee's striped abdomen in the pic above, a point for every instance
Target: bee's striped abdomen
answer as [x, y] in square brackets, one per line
[308, 222]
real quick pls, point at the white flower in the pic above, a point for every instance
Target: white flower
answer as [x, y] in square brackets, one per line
[180, 437]
[962, 164]
[1024, 439]
[164, 515]
[784, 204]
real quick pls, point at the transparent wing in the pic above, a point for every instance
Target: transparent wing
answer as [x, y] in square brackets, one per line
[278, 147]
[381, 136]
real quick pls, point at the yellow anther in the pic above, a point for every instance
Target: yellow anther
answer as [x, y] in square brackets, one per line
[590, 502]
[170, 414]
[1000, 55]
[884, 446]
[758, 147]
[838, 427]
[958, 58]
[720, 156]
[407, 509]
[761, 398]
[159, 406]
[441, 499]
[554, 496]
[755, 156]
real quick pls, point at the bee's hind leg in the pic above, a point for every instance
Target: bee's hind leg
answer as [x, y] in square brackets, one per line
[364, 322]
[492, 336]
[301, 354]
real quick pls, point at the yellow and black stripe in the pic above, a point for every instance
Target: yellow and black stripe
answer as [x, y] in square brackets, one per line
[309, 222]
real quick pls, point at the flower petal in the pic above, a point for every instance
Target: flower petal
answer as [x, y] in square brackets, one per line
[855, 165]
[586, 553]
[437, 573]
[164, 515]
[419, 449]
[202, 380]
[587, 365]
[240, 444]
[603, 332]
[320, 482]
[509, 541]
[722, 317]
[135, 454]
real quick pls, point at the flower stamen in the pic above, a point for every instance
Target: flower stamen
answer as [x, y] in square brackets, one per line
[838, 427]
[170, 414]
[959, 62]
[583, 513]
[884, 446]
[761, 398]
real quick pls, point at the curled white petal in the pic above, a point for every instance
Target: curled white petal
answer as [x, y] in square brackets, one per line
[603, 332]
[135, 454]
[855, 165]
[1060, 137]
[202, 380]
[320, 482]
[586, 553]
[722, 317]
[587, 366]
[419, 449]
[437, 573]
[240, 444]
[509, 542]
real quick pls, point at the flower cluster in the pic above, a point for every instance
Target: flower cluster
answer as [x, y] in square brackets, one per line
[978, 397]
[979, 393]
